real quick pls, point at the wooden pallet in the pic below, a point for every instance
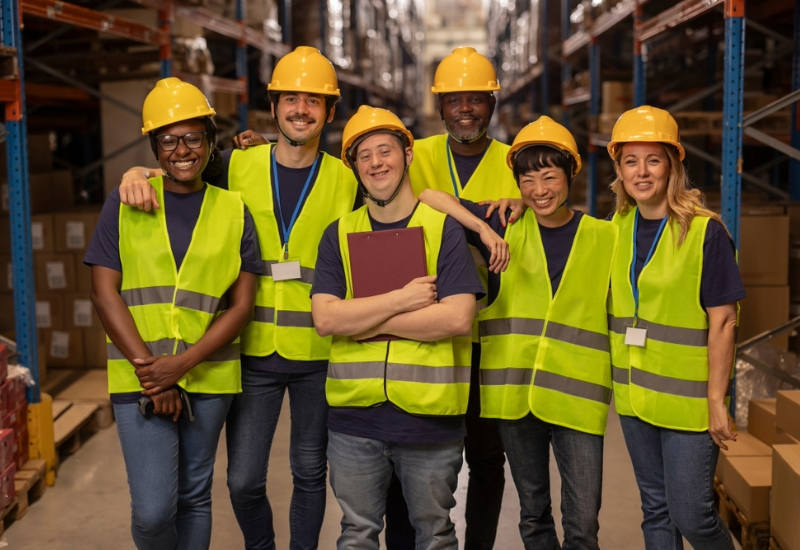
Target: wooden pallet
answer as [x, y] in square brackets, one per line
[752, 535]
[73, 423]
[30, 484]
[90, 387]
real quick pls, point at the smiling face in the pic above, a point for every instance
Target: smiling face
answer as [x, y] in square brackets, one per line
[644, 169]
[466, 114]
[545, 190]
[184, 164]
[380, 161]
[300, 115]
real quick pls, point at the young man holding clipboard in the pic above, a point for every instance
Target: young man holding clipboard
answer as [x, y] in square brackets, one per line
[397, 403]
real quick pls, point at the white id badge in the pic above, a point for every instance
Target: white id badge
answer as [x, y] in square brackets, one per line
[286, 271]
[635, 336]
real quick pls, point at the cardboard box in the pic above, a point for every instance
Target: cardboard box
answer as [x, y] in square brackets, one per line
[42, 233]
[74, 229]
[83, 275]
[40, 157]
[764, 248]
[606, 122]
[49, 191]
[785, 497]
[617, 96]
[761, 420]
[783, 438]
[63, 348]
[79, 312]
[55, 272]
[788, 412]
[764, 308]
[748, 480]
[94, 349]
[50, 311]
[745, 445]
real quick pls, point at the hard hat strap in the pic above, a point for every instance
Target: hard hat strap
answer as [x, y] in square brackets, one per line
[378, 202]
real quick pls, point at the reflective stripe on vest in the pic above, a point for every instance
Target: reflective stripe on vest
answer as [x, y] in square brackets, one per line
[426, 378]
[282, 322]
[555, 362]
[665, 382]
[172, 310]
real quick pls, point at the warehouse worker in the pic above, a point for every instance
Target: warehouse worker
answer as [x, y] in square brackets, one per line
[294, 192]
[545, 361]
[467, 163]
[674, 291]
[405, 415]
[168, 330]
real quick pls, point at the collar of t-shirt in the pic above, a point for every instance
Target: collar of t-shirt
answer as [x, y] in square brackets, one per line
[291, 182]
[466, 165]
[645, 236]
[557, 243]
[400, 224]
[181, 211]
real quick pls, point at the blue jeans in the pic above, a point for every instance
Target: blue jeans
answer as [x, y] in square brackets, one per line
[170, 467]
[250, 430]
[675, 474]
[579, 457]
[361, 469]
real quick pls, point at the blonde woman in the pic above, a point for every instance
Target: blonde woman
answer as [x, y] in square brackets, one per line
[674, 291]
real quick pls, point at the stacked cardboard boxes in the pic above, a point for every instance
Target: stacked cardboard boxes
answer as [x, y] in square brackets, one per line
[13, 429]
[617, 97]
[785, 497]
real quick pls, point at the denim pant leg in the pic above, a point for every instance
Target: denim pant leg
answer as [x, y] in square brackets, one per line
[250, 429]
[150, 450]
[527, 445]
[644, 447]
[579, 457]
[429, 475]
[198, 451]
[690, 459]
[399, 533]
[483, 451]
[360, 474]
[308, 457]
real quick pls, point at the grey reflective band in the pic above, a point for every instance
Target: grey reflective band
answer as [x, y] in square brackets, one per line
[619, 375]
[667, 384]
[356, 371]
[400, 372]
[165, 347]
[147, 296]
[301, 319]
[572, 386]
[578, 336]
[230, 352]
[511, 325]
[306, 273]
[506, 377]
[697, 337]
[195, 300]
[264, 314]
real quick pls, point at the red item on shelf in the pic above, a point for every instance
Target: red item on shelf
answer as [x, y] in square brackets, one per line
[9, 421]
[21, 450]
[3, 363]
[6, 448]
[4, 408]
[7, 490]
[16, 392]
[22, 419]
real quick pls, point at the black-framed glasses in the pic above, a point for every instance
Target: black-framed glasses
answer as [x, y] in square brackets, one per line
[192, 140]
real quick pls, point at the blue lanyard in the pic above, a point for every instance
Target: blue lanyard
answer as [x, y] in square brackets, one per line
[287, 231]
[450, 166]
[634, 281]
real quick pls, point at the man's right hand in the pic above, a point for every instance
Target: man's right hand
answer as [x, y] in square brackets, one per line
[248, 138]
[136, 191]
[419, 293]
[168, 403]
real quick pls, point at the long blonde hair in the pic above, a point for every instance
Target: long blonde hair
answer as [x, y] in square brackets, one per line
[683, 201]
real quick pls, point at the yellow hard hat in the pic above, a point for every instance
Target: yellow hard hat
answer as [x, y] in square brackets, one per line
[173, 100]
[369, 119]
[648, 124]
[304, 70]
[465, 70]
[545, 131]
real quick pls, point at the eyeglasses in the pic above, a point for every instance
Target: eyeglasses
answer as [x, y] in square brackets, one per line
[192, 140]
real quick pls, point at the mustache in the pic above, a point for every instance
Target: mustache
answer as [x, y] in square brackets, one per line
[301, 119]
[466, 117]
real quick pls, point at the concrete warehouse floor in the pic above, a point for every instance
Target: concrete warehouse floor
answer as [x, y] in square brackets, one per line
[89, 506]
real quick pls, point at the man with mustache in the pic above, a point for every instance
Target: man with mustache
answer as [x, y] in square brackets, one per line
[467, 163]
[294, 191]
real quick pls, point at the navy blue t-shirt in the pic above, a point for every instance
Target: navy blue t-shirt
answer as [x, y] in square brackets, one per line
[456, 275]
[557, 243]
[291, 182]
[466, 165]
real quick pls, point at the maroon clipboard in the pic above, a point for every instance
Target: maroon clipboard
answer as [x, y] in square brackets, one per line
[383, 261]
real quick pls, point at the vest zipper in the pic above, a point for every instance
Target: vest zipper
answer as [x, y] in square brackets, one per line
[385, 369]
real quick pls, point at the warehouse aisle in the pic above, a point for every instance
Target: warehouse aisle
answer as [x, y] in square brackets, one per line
[88, 508]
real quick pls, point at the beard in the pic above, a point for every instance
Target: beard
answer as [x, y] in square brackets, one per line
[465, 134]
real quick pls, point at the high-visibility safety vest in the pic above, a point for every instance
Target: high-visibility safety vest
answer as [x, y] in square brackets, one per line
[435, 168]
[665, 382]
[282, 322]
[173, 308]
[425, 378]
[545, 354]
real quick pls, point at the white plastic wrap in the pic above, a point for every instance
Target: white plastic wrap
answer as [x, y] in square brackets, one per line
[752, 383]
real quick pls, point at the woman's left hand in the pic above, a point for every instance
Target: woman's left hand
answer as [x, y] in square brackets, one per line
[719, 424]
[159, 372]
[498, 248]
